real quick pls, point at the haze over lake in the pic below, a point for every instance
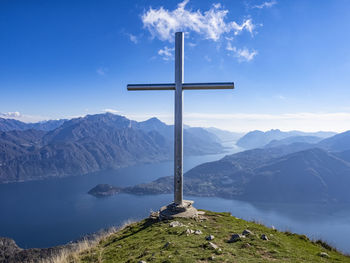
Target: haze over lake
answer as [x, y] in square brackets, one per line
[56, 211]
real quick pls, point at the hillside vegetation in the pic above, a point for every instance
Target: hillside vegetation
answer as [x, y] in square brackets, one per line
[186, 241]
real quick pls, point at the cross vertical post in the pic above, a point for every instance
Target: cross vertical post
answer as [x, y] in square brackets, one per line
[180, 207]
[178, 127]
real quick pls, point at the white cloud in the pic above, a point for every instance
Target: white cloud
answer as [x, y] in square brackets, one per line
[166, 53]
[22, 117]
[6, 115]
[101, 71]
[133, 38]
[163, 23]
[265, 5]
[246, 55]
[111, 111]
[243, 54]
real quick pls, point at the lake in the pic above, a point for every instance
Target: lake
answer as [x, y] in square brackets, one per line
[56, 211]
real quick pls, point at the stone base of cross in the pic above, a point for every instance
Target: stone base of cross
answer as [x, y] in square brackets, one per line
[185, 210]
[180, 207]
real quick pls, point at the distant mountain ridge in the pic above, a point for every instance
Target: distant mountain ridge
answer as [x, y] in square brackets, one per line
[11, 125]
[92, 143]
[297, 172]
[258, 139]
[293, 139]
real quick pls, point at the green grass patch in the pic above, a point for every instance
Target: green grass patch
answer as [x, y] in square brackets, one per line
[154, 241]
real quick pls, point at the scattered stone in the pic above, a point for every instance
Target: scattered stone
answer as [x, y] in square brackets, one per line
[247, 232]
[198, 232]
[210, 237]
[236, 237]
[246, 245]
[201, 213]
[212, 258]
[213, 246]
[189, 231]
[175, 224]
[142, 261]
[264, 237]
[154, 215]
[167, 244]
[323, 254]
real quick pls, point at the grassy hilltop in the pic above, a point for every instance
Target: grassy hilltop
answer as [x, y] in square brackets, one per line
[153, 241]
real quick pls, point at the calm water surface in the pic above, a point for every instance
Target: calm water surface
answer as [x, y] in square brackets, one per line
[55, 211]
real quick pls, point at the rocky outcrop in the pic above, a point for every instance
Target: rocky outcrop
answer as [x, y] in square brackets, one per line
[11, 253]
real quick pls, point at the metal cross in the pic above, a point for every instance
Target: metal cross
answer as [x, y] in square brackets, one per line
[179, 86]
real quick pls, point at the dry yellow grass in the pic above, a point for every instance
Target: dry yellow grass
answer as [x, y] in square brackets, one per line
[71, 254]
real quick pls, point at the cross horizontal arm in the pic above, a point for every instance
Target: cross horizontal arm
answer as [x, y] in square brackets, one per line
[185, 86]
[151, 86]
[217, 85]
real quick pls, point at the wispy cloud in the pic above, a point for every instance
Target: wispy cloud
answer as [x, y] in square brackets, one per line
[166, 53]
[211, 24]
[243, 54]
[133, 38]
[101, 71]
[14, 114]
[111, 111]
[22, 117]
[265, 5]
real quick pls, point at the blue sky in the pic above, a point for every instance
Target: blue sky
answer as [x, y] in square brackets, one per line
[290, 61]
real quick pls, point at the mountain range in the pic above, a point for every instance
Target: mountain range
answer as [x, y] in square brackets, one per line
[88, 144]
[296, 172]
[258, 139]
[11, 124]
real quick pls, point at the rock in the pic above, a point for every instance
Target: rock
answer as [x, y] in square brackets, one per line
[210, 237]
[154, 215]
[323, 254]
[189, 231]
[175, 224]
[167, 244]
[142, 261]
[247, 232]
[212, 258]
[213, 246]
[198, 232]
[264, 237]
[236, 237]
[246, 245]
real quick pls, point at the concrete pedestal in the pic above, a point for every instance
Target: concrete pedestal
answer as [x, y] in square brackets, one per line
[186, 210]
